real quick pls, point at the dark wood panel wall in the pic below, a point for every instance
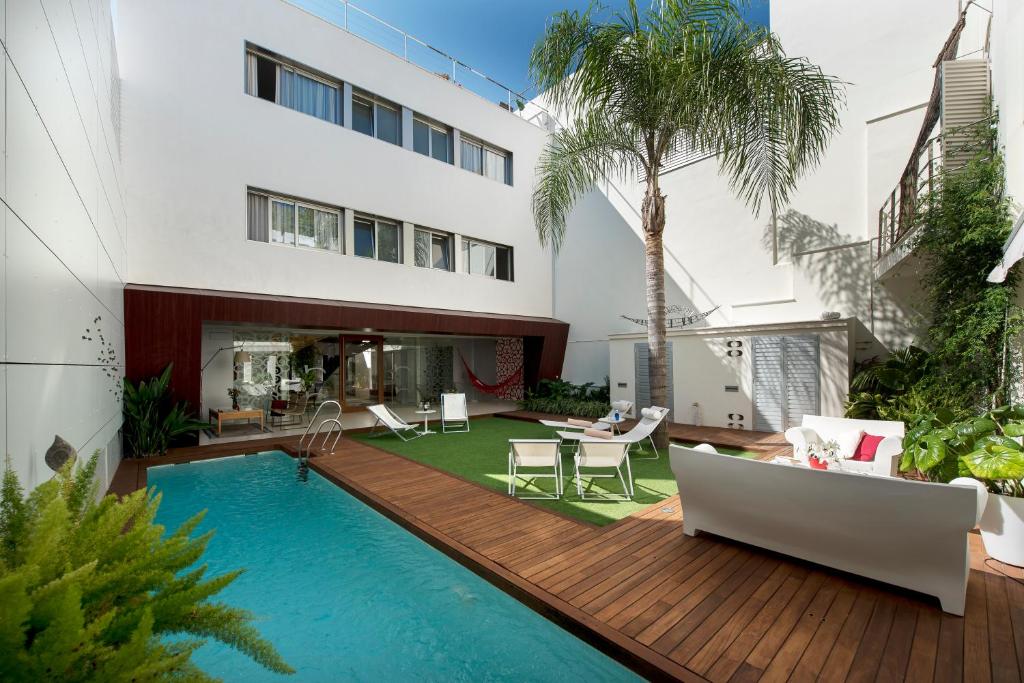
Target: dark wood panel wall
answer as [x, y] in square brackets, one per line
[165, 325]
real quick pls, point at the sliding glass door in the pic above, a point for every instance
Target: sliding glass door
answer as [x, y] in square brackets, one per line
[361, 371]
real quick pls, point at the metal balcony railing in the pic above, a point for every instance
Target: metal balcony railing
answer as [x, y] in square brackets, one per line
[373, 29]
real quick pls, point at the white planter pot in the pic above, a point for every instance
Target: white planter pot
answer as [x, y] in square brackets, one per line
[1002, 529]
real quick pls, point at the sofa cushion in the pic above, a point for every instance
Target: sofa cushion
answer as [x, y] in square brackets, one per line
[848, 442]
[867, 448]
[278, 405]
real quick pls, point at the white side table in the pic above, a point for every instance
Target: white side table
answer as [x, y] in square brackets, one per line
[426, 425]
[614, 423]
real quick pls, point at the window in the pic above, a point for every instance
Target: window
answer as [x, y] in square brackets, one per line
[383, 121]
[489, 260]
[430, 140]
[487, 161]
[433, 249]
[362, 116]
[280, 220]
[292, 87]
[378, 239]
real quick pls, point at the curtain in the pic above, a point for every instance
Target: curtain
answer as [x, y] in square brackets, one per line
[389, 240]
[306, 231]
[307, 95]
[422, 249]
[494, 165]
[259, 218]
[327, 230]
[251, 84]
[471, 157]
[283, 222]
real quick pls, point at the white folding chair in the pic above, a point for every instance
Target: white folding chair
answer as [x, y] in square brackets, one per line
[650, 418]
[399, 427]
[454, 412]
[534, 453]
[604, 454]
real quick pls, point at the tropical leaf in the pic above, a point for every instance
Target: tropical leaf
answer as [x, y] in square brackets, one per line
[995, 462]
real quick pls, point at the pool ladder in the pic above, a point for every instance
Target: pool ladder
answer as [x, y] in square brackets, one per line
[333, 425]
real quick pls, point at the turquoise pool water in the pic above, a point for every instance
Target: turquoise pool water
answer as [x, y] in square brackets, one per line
[347, 595]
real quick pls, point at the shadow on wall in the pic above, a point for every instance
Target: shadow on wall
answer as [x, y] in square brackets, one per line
[839, 267]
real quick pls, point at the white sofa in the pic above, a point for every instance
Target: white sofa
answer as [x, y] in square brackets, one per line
[906, 533]
[818, 429]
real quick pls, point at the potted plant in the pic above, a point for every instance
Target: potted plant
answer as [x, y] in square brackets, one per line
[987, 448]
[821, 456]
[233, 394]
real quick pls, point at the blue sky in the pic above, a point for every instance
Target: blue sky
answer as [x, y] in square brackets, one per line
[493, 36]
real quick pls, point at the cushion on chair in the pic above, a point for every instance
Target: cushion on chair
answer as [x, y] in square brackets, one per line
[579, 423]
[650, 413]
[848, 442]
[278, 405]
[867, 448]
[597, 433]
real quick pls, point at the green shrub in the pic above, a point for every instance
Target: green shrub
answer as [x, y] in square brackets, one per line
[152, 421]
[565, 398]
[91, 591]
[942, 447]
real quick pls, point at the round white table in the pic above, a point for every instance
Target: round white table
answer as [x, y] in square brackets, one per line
[426, 416]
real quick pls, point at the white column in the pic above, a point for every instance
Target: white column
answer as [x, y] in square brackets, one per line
[408, 244]
[456, 147]
[407, 127]
[350, 232]
[346, 104]
[457, 256]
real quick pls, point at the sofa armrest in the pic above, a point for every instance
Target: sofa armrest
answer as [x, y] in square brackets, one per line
[801, 438]
[887, 457]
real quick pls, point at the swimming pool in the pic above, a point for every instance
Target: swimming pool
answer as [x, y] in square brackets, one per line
[346, 594]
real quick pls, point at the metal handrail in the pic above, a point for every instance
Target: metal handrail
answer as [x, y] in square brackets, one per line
[511, 97]
[333, 423]
[313, 421]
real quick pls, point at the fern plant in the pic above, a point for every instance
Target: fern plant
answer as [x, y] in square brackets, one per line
[92, 591]
[151, 420]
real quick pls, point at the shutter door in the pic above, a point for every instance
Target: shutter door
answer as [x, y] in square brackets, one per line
[769, 380]
[803, 375]
[787, 377]
[642, 380]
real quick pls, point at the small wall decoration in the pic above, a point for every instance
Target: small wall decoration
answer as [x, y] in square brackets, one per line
[106, 357]
[686, 315]
[508, 352]
[59, 452]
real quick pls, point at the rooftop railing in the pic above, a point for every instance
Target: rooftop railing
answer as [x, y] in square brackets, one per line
[373, 29]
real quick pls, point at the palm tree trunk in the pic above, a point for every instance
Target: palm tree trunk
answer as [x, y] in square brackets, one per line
[653, 216]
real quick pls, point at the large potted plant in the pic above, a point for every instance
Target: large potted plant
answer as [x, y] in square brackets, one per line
[987, 448]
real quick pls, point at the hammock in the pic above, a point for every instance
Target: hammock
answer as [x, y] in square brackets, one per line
[493, 389]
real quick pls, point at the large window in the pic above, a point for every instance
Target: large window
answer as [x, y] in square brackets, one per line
[377, 239]
[430, 139]
[489, 260]
[433, 249]
[292, 222]
[292, 87]
[379, 119]
[487, 161]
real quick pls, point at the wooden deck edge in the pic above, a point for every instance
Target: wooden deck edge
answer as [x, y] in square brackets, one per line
[642, 660]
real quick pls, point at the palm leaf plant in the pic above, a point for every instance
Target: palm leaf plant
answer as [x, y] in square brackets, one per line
[684, 74]
[151, 420]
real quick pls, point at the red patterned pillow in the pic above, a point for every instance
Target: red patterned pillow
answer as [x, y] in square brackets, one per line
[867, 448]
[278, 405]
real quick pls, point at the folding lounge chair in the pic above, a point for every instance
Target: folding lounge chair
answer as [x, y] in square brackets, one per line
[534, 453]
[604, 454]
[572, 423]
[397, 425]
[650, 418]
[454, 416]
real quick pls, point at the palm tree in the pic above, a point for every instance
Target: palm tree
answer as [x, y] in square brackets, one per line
[685, 74]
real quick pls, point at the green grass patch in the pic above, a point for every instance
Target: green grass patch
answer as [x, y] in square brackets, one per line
[481, 456]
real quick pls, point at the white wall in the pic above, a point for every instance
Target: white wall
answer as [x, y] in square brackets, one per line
[718, 254]
[195, 140]
[1008, 89]
[702, 369]
[65, 233]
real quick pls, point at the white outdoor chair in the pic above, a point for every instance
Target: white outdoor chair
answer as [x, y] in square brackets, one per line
[399, 427]
[650, 418]
[453, 412]
[542, 453]
[604, 454]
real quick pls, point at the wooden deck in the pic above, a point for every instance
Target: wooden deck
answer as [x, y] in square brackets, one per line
[703, 608]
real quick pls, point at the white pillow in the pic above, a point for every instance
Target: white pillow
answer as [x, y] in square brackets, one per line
[650, 413]
[848, 442]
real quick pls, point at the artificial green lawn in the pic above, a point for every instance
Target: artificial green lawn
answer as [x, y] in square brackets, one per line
[481, 456]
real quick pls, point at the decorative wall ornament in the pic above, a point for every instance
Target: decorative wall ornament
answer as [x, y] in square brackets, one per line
[687, 316]
[508, 356]
[59, 452]
[106, 357]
